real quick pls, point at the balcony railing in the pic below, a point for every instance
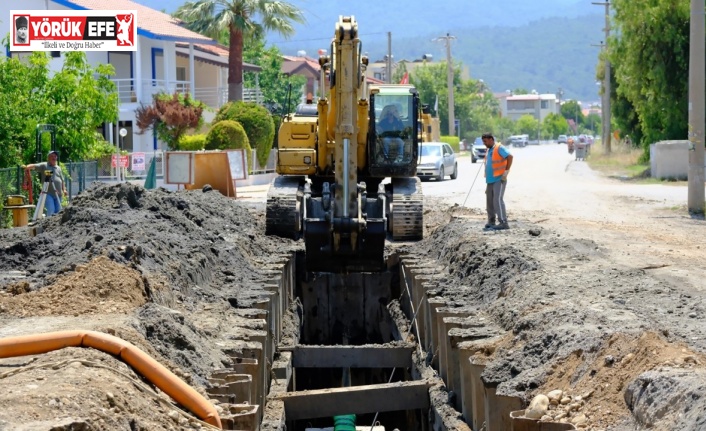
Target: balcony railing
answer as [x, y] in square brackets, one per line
[215, 97]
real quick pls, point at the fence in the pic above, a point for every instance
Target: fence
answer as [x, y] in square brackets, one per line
[78, 176]
[255, 168]
[215, 97]
[136, 171]
[133, 166]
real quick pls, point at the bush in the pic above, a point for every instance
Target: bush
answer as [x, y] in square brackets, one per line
[192, 143]
[257, 122]
[453, 141]
[227, 135]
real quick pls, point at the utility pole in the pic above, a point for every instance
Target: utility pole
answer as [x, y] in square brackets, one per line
[388, 72]
[449, 80]
[605, 103]
[697, 107]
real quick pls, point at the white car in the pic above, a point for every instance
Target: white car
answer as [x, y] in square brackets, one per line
[437, 160]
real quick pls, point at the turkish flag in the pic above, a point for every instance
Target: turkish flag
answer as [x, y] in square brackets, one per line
[405, 78]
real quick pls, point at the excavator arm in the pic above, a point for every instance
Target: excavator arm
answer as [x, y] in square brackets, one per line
[331, 190]
[344, 229]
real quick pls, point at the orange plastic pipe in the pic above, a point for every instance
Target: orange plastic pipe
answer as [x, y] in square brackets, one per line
[152, 370]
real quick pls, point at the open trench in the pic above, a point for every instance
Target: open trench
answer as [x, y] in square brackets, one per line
[380, 351]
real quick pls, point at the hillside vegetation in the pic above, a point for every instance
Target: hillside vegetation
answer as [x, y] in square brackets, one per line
[509, 44]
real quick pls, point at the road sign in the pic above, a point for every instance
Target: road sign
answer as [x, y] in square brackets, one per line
[124, 161]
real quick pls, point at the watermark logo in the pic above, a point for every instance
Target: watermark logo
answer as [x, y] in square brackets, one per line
[73, 30]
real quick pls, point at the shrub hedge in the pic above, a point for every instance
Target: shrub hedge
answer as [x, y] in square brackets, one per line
[257, 122]
[453, 141]
[226, 135]
[192, 142]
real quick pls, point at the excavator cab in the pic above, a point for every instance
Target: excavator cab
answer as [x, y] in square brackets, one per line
[393, 136]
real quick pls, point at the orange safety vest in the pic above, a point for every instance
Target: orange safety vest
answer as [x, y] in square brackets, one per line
[499, 164]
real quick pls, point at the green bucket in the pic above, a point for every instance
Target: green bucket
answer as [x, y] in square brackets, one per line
[344, 423]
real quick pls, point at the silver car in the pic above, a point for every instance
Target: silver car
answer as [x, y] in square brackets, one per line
[437, 159]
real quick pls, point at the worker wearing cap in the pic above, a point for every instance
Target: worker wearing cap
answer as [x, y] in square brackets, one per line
[21, 27]
[57, 186]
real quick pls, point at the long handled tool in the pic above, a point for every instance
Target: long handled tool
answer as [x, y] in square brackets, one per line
[474, 180]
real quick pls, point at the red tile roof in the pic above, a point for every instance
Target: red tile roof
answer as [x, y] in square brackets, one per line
[296, 65]
[150, 23]
[217, 50]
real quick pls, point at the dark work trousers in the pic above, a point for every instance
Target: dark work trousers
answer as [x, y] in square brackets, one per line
[494, 202]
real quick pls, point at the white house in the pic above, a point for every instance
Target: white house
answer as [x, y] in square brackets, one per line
[536, 105]
[169, 58]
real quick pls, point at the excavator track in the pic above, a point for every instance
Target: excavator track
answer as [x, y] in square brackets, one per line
[283, 215]
[407, 209]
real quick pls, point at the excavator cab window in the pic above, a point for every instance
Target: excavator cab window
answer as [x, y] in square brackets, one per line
[394, 128]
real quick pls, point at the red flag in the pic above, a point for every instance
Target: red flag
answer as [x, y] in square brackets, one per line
[405, 78]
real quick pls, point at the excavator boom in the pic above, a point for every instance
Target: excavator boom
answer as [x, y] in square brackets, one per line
[333, 165]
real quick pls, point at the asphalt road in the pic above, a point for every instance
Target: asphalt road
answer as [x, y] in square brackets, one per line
[545, 177]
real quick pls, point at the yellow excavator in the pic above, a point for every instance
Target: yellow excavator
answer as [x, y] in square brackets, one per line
[333, 160]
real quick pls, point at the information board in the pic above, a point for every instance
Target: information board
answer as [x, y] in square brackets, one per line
[236, 164]
[179, 167]
[138, 161]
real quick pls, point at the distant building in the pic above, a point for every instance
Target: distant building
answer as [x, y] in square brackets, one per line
[306, 67]
[536, 105]
[378, 69]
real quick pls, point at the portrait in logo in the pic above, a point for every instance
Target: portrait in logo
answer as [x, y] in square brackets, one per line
[22, 30]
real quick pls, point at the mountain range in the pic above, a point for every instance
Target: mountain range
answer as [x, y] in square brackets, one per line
[539, 44]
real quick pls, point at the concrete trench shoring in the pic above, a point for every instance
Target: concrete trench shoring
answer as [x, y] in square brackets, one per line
[357, 353]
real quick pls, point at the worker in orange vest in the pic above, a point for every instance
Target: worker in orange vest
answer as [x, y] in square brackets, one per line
[497, 166]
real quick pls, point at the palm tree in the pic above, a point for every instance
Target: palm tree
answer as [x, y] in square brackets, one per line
[238, 18]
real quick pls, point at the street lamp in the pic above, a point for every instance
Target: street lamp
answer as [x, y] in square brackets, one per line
[123, 133]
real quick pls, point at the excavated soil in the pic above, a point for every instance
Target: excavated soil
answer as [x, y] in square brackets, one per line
[608, 312]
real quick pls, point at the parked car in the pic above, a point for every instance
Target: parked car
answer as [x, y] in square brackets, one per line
[437, 160]
[478, 151]
[518, 140]
[562, 139]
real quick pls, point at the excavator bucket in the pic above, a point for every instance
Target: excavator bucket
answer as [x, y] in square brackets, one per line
[368, 255]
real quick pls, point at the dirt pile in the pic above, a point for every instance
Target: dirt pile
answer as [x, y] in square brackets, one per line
[189, 238]
[82, 389]
[609, 305]
[576, 320]
[99, 287]
[162, 270]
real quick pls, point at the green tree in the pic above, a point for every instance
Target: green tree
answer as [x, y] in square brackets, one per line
[593, 123]
[170, 116]
[80, 98]
[654, 80]
[273, 83]
[502, 128]
[527, 125]
[77, 99]
[430, 82]
[555, 125]
[256, 121]
[399, 72]
[241, 18]
[571, 110]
